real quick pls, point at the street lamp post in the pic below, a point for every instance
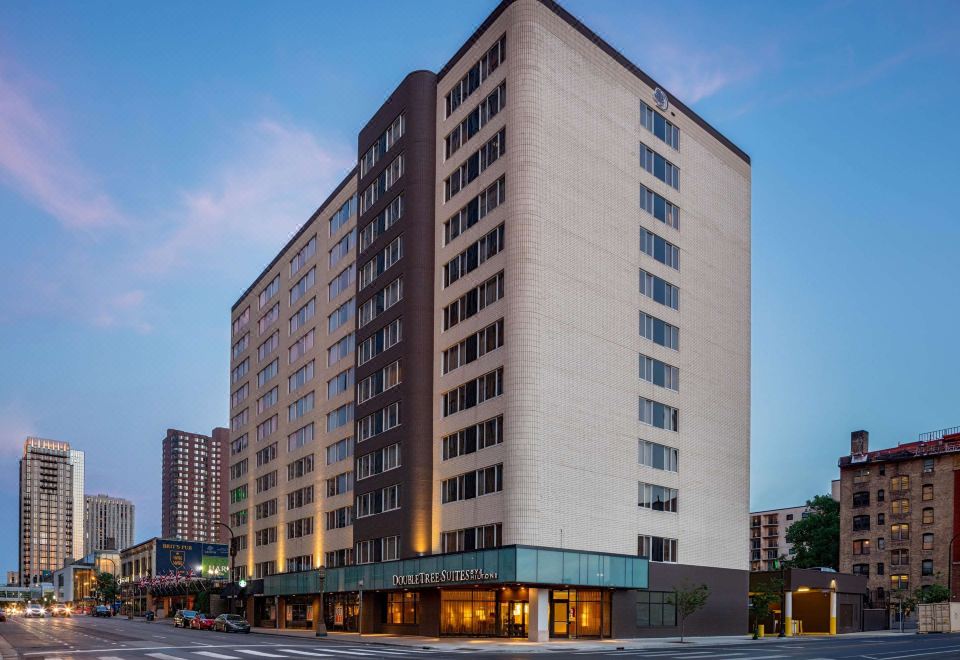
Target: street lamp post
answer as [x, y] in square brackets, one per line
[233, 547]
[783, 598]
[360, 613]
[321, 620]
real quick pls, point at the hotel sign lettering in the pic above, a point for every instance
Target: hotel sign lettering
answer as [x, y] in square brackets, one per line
[466, 575]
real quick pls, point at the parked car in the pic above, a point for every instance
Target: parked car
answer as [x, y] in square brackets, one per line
[60, 610]
[231, 623]
[201, 622]
[33, 610]
[102, 610]
[182, 618]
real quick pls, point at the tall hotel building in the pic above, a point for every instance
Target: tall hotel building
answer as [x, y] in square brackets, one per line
[193, 497]
[108, 523]
[498, 384]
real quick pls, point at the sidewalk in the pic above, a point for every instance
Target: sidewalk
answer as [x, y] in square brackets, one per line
[504, 645]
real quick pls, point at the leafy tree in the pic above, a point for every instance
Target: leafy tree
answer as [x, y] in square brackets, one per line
[760, 601]
[934, 593]
[816, 538]
[107, 587]
[688, 599]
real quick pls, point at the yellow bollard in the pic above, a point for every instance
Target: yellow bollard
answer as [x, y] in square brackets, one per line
[760, 628]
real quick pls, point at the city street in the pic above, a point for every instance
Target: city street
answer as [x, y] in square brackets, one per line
[85, 638]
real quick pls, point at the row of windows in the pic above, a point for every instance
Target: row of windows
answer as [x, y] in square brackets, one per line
[381, 301]
[340, 484]
[304, 284]
[659, 290]
[379, 461]
[379, 187]
[376, 266]
[382, 145]
[240, 395]
[659, 457]
[340, 350]
[268, 400]
[240, 419]
[340, 417]
[473, 301]
[299, 528]
[473, 438]
[241, 321]
[473, 347]
[300, 467]
[475, 210]
[657, 124]
[472, 393]
[238, 469]
[659, 373]
[659, 166]
[266, 482]
[269, 318]
[267, 454]
[267, 374]
[303, 315]
[657, 206]
[380, 224]
[383, 339]
[342, 248]
[300, 377]
[479, 72]
[378, 501]
[269, 345]
[240, 346]
[378, 382]
[475, 164]
[339, 450]
[657, 548]
[477, 119]
[658, 498]
[659, 415]
[475, 483]
[340, 383]
[240, 371]
[342, 216]
[339, 518]
[472, 538]
[301, 258]
[342, 282]
[377, 550]
[474, 256]
[378, 422]
[340, 316]
[300, 497]
[662, 250]
[269, 292]
[300, 347]
[266, 536]
[300, 437]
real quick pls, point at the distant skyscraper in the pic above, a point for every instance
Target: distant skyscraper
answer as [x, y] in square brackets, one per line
[49, 470]
[77, 460]
[193, 503]
[108, 523]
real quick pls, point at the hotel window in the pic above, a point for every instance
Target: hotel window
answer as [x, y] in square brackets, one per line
[658, 498]
[303, 315]
[659, 415]
[927, 540]
[659, 457]
[900, 532]
[657, 124]
[659, 373]
[339, 417]
[240, 419]
[403, 608]
[340, 484]
[473, 301]
[474, 256]
[378, 501]
[240, 395]
[478, 73]
[269, 318]
[300, 407]
[379, 187]
[472, 538]
[657, 206]
[659, 166]
[861, 498]
[240, 371]
[861, 523]
[659, 290]
[340, 350]
[341, 282]
[654, 610]
[379, 461]
[241, 321]
[301, 563]
[299, 528]
[240, 346]
[659, 332]
[340, 316]
[657, 548]
[267, 454]
[266, 482]
[926, 567]
[342, 216]
[238, 518]
[265, 349]
[339, 518]
[377, 550]
[298, 290]
[238, 494]
[475, 210]
[266, 428]
[336, 558]
[479, 117]
[300, 377]
[380, 263]
[265, 536]
[340, 450]
[300, 467]
[303, 256]
[382, 145]
[900, 557]
[343, 248]
[473, 438]
[475, 483]
[378, 382]
[900, 483]
[928, 516]
[861, 569]
[380, 224]
[265, 509]
[265, 568]
[342, 382]
[900, 506]
[380, 302]
[661, 250]
[238, 445]
[861, 547]
[472, 393]
[475, 164]
[927, 491]
[383, 339]
[268, 400]
[473, 347]
[238, 469]
[266, 374]
[300, 437]
[378, 422]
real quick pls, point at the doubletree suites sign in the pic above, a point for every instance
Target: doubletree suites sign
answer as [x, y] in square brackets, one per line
[440, 577]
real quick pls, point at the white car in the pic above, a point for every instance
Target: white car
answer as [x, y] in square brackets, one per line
[34, 610]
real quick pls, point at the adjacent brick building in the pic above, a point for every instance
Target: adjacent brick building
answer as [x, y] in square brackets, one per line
[897, 513]
[194, 500]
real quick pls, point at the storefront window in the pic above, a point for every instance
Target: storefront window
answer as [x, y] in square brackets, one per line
[299, 613]
[653, 610]
[580, 613]
[340, 611]
[403, 608]
[468, 613]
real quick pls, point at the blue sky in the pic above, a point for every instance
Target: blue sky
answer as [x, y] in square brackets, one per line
[135, 138]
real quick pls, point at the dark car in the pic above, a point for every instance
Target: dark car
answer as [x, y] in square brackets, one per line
[182, 618]
[102, 610]
[201, 622]
[231, 623]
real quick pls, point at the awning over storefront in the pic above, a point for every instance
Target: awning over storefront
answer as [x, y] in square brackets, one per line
[506, 565]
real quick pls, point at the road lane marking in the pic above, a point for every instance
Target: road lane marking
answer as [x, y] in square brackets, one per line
[350, 652]
[310, 653]
[164, 656]
[109, 657]
[211, 654]
[258, 653]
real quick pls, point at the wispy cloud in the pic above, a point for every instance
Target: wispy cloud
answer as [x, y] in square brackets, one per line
[36, 160]
[693, 74]
[16, 424]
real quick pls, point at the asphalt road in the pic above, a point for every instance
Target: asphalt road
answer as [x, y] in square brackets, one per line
[86, 638]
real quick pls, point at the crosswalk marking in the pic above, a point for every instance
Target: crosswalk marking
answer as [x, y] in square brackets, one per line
[350, 652]
[310, 653]
[258, 653]
[211, 654]
[164, 656]
[109, 657]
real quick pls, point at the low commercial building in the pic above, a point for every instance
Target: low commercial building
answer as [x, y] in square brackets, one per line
[76, 583]
[768, 535]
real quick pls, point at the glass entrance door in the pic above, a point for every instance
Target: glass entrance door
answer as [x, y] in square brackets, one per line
[513, 618]
[560, 614]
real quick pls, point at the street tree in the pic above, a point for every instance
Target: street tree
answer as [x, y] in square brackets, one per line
[816, 538]
[687, 599]
[107, 587]
[766, 595]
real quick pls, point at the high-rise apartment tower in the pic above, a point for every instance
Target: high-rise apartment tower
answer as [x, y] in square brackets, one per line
[193, 497]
